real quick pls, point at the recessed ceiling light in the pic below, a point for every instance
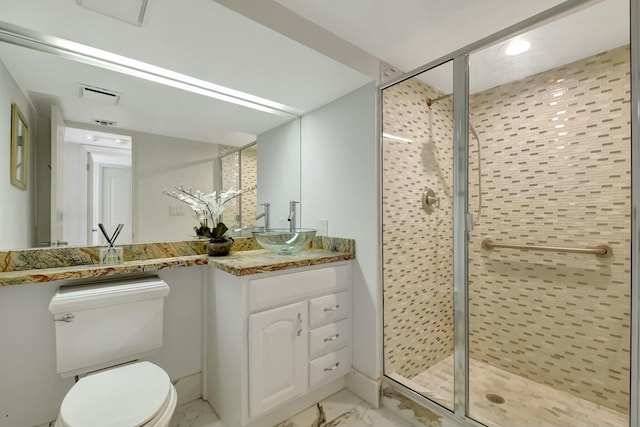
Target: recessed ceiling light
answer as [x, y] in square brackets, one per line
[517, 46]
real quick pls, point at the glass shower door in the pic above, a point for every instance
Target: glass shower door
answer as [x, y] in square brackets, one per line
[418, 233]
[549, 174]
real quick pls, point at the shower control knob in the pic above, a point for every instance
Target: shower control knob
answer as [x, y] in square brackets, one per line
[429, 200]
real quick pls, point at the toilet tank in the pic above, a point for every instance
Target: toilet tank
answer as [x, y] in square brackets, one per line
[106, 323]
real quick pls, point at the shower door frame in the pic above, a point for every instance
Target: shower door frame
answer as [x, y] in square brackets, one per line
[462, 223]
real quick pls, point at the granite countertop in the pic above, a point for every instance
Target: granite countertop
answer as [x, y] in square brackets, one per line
[47, 265]
[243, 263]
[39, 275]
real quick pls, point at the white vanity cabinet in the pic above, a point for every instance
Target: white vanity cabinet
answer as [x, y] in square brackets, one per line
[276, 342]
[277, 356]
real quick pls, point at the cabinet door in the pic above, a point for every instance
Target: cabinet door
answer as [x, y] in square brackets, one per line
[277, 356]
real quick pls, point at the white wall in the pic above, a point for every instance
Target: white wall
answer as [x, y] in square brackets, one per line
[339, 183]
[163, 162]
[30, 389]
[75, 194]
[17, 225]
[279, 171]
[42, 149]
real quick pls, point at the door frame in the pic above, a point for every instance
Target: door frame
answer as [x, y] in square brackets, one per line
[97, 160]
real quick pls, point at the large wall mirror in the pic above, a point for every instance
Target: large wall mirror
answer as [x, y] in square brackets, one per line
[105, 144]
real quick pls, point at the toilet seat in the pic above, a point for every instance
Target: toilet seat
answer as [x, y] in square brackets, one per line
[134, 395]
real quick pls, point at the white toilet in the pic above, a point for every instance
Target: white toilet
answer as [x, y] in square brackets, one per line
[100, 329]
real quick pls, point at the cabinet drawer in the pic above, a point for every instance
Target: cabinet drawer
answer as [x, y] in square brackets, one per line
[329, 337]
[329, 367]
[276, 290]
[329, 308]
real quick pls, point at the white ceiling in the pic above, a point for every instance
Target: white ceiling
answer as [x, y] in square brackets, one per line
[411, 33]
[203, 39]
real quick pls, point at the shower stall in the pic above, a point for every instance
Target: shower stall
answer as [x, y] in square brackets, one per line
[509, 276]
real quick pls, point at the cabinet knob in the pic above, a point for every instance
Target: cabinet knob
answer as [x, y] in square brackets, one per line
[333, 368]
[333, 338]
[334, 308]
[299, 321]
[68, 317]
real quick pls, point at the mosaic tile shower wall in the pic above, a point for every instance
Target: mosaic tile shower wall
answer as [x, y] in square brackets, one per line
[418, 251]
[249, 178]
[556, 171]
[230, 179]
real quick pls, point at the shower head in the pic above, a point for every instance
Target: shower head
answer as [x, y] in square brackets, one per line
[431, 101]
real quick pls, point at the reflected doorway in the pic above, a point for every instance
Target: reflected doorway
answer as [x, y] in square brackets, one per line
[97, 185]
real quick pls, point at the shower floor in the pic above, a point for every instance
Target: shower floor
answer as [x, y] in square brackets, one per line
[526, 403]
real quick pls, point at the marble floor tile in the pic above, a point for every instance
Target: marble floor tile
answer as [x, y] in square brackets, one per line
[195, 414]
[522, 402]
[342, 409]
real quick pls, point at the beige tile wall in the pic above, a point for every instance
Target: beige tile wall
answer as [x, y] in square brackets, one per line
[249, 178]
[555, 171]
[230, 180]
[235, 177]
[418, 312]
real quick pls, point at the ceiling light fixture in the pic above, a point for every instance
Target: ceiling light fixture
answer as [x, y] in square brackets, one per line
[517, 46]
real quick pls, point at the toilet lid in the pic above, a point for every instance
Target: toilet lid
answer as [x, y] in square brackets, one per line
[127, 396]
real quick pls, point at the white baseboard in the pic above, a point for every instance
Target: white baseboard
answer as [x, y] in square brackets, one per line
[189, 388]
[364, 387]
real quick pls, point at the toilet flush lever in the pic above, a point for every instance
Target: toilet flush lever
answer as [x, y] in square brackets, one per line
[69, 317]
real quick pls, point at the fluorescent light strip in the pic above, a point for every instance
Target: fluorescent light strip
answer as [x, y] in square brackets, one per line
[396, 137]
[122, 64]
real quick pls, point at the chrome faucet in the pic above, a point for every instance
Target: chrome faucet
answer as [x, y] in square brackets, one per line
[293, 215]
[264, 214]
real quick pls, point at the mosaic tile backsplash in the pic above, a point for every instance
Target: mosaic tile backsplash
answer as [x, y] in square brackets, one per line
[555, 171]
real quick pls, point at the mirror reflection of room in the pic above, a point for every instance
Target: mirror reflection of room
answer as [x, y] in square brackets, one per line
[102, 153]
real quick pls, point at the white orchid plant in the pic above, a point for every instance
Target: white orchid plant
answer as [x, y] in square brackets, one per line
[207, 207]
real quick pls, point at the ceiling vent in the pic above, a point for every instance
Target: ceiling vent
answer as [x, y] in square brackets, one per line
[98, 94]
[103, 122]
[129, 11]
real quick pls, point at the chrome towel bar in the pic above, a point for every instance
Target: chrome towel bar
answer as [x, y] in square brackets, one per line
[603, 251]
